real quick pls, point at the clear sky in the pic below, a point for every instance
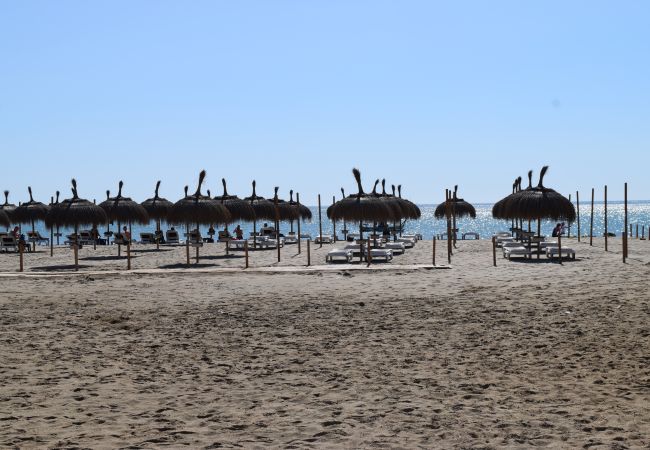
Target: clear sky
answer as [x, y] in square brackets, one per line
[296, 93]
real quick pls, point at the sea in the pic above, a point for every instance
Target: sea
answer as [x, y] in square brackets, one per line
[428, 226]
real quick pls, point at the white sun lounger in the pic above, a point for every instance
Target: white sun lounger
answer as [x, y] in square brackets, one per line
[339, 254]
[408, 242]
[474, 236]
[396, 247]
[325, 239]
[552, 252]
[381, 253]
[517, 251]
[171, 237]
[147, 238]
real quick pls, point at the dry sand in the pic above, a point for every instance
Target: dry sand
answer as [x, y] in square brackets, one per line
[524, 354]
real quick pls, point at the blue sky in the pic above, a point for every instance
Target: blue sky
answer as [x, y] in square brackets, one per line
[296, 93]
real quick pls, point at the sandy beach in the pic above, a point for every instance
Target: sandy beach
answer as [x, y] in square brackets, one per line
[525, 354]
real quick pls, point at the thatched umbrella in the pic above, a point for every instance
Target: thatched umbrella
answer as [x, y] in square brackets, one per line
[498, 209]
[264, 209]
[303, 212]
[73, 212]
[31, 212]
[8, 208]
[158, 209]
[540, 202]
[200, 210]
[460, 207]
[53, 202]
[4, 218]
[238, 208]
[414, 210]
[360, 207]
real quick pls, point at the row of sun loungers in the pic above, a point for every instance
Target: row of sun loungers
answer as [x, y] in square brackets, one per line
[522, 247]
[381, 249]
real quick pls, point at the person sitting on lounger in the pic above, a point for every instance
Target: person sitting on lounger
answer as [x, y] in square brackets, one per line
[160, 236]
[557, 230]
[126, 234]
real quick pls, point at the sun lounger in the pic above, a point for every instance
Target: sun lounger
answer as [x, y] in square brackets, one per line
[119, 239]
[381, 253]
[223, 236]
[503, 239]
[339, 254]
[172, 237]
[291, 238]
[35, 236]
[507, 245]
[355, 248]
[325, 239]
[552, 252]
[147, 238]
[474, 236]
[86, 237]
[396, 247]
[416, 236]
[238, 244]
[517, 251]
[8, 243]
[408, 242]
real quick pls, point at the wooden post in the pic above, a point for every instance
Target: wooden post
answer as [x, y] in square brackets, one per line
[568, 234]
[75, 247]
[368, 256]
[298, 202]
[559, 246]
[21, 250]
[277, 224]
[591, 229]
[334, 221]
[578, 204]
[606, 230]
[197, 244]
[308, 252]
[494, 251]
[128, 255]
[158, 234]
[625, 227]
[52, 234]
[637, 231]
[187, 243]
[320, 222]
[434, 251]
[246, 253]
[448, 211]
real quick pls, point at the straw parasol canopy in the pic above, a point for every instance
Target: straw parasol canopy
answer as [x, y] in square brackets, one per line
[360, 206]
[157, 207]
[285, 211]
[124, 209]
[413, 209]
[264, 209]
[76, 211]
[303, 212]
[198, 209]
[460, 207]
[238, 208]
[7, 207]
[539, 202]
[498, 210]
[31, 211]
[4, 219]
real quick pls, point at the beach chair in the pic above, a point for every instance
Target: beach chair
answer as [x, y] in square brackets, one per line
[85, 237]
[473, 235]
[416, 236]
[339, 254]
[408, 242]
[517, 251]
[552, 252]
[324, 239]
[35, 236]
[195, 239]
[380, 253]
[172, 237]
[223, 236]
[119, 239]
[147, 238]
[8, 243]
[291, 238]
[355, 248]
[396, 247]
[237, 244]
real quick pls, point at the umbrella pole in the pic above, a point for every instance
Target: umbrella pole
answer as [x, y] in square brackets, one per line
[298, 203]
[20, 250]
[277, 225]
[360, 241]
[76, 246]
[158, 234]
[58, 234]
[187, 243]
[51, 241]
[197, 244]
[320, 223]
[606, 232]
[128, 251]
[254, 234]
[578, 204]
[625, 227]
[334, 221]
[539, 236]
[119, 243]
[33, 232]
[448, 213]
[591, 228]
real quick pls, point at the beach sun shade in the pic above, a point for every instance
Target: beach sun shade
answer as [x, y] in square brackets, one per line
[4, 219]
[31, 212]
[360, 206]
[123, 209]
[539, 202]
[285, 210]
[303, 211]
[264, 209]
[460, 207]
[7, 207]
[239, 209]
[157, 207]
[498, 209]
[413, 209]
[198, 209]
[391, 203]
